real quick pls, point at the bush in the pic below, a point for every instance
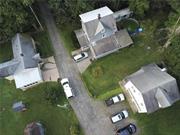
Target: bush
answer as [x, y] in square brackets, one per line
[52, 95]
[74, 130]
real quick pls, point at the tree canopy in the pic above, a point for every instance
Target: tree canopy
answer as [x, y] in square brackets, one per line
[14, 16]
[68, 10]
[139, 6]
[172, 57]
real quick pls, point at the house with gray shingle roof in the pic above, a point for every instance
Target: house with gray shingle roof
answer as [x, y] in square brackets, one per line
[151, 88]
[99, 33]
[24, 68]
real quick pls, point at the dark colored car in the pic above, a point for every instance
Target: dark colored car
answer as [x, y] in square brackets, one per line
[127, 130]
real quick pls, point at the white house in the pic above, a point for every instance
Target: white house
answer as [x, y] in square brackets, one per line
[24, 68]
[99, 33]
[151, 88]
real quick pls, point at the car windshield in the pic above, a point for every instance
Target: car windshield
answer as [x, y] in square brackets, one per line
[65, 83]
[122, 114]
[131, 129]
[82, 54]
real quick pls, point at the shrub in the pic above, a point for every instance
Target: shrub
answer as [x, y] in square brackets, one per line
[74, 130]
[52, 95]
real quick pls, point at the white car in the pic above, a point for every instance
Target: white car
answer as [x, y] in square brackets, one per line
[116, 99]
[67, 88]
[119, 116]
[81, 56]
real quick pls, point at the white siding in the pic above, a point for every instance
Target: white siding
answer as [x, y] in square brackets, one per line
[28, 78]
[136, 96]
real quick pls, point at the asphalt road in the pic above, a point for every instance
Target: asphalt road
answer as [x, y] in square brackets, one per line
[91, 114]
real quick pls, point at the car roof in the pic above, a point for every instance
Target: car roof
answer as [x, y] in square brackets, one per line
[68, 92]
[115, 99]
[76, 57]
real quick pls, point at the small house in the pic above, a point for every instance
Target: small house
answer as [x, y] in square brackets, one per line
[151, 88]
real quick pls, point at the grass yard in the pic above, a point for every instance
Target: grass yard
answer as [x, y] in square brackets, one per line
[6, 52]
[162, 122]
[57, 120]
[43, 44]
[104, 74]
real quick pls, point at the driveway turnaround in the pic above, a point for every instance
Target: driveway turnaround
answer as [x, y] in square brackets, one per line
[92, 115]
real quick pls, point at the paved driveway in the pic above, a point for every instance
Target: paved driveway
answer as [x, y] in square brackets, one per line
[92, 115]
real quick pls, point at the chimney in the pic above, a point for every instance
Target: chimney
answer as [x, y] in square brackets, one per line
[99, 16]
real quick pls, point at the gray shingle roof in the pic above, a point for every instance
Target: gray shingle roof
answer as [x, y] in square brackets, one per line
[108, 23]
[23, 51]
[155, 86]
[8, 68]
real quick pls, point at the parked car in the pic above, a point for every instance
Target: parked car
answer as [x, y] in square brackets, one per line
[67, 88]
[119, 116]
[116, 99]
[81, 56]
[127, 130]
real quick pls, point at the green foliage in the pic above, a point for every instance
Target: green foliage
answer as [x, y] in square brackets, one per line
[6, 52]
[14, 16]
[139, 6]
[172, 57]
[69, 10]
[175, 13]
[74, 129]
[163, 122]
[53, 94]
[43, 44]
[57, 120]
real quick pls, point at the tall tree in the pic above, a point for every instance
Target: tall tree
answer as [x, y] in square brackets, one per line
[14, 16]
[172, 57]
[173, 22]
[139, 6]
[69, 10]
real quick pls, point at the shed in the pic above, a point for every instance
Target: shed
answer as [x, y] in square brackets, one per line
[19, 106]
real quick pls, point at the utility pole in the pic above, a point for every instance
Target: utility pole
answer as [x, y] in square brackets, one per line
[36, 18]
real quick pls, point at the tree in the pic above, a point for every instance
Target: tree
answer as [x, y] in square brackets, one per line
[69, 10]
[53, 94]
[173, 22]
[172, 57]
[14, 17]
[139, 6]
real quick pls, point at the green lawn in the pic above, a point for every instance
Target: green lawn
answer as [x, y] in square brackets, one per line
[104, 74]
[162, 122]
[5, 52]
[43, 44]
[57, 120]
